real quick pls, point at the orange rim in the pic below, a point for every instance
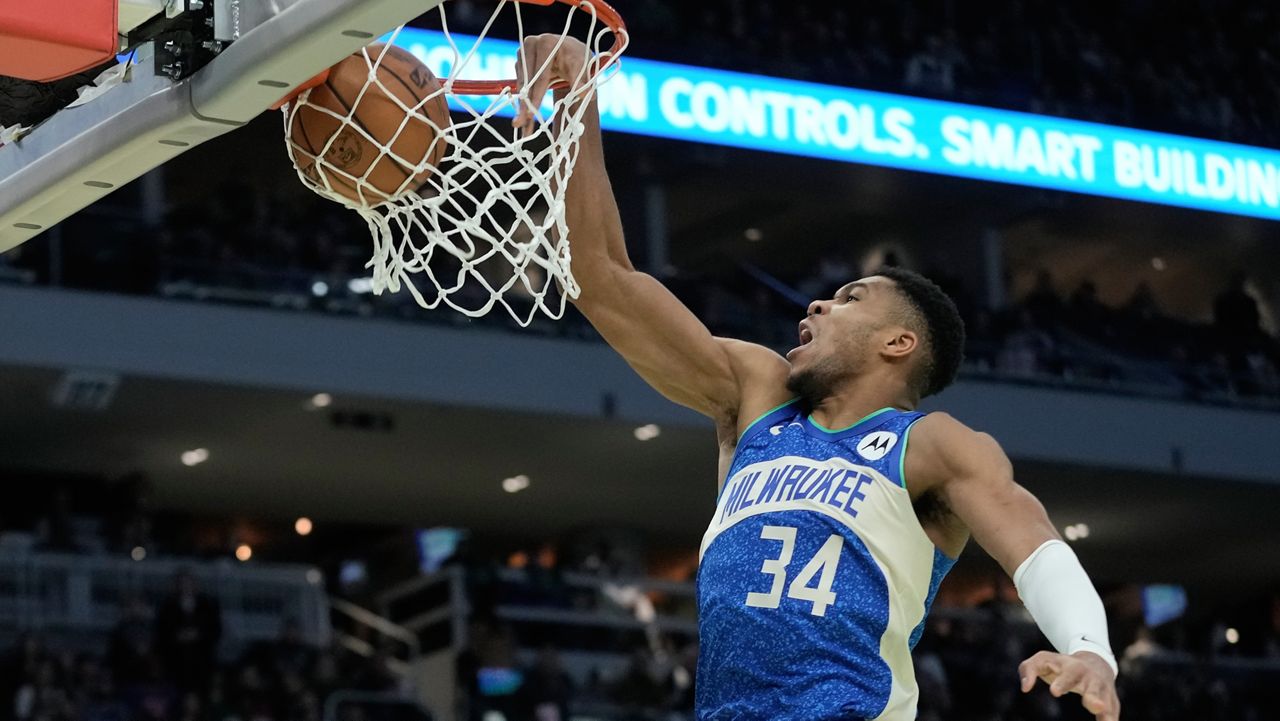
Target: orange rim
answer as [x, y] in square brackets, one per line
[319, 78]
[603, 11]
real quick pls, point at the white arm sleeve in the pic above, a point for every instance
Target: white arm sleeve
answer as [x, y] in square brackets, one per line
[1063, 602]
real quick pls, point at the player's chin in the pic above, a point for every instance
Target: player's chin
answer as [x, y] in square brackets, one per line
[801, 382]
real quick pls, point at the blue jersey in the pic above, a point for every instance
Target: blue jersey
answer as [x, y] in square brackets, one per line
[815, 574]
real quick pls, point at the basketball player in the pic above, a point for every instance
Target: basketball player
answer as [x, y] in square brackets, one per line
[832, 531]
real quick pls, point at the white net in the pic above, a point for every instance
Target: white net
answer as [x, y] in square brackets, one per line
[467, 212]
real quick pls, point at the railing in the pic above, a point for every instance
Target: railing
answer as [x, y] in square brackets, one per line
[88, 594]
[444, 601]
[363, 619]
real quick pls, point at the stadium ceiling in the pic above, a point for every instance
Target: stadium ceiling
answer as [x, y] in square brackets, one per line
[391, 462]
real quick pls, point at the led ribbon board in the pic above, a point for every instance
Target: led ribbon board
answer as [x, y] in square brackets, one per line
[858, 126]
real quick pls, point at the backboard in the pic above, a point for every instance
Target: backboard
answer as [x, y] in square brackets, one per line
[228, 61]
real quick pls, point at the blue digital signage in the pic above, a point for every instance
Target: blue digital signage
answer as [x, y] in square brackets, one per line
[858, 126]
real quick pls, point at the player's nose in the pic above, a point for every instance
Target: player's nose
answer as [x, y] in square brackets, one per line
[815, 308]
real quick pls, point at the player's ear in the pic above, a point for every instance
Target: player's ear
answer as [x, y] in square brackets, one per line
[901, 344]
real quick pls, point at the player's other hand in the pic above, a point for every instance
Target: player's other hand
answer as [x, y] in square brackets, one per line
[544, 60]
[1082, 673]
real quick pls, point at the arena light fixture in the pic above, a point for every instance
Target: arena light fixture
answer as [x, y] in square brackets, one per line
[360, 286]
[753, 235]
[195, 457]
[515, 484]
[244, 552]
[303, 526]
[138, 553]
[647, 432]
[320, 400]
[1233, 636]
[1158, 263]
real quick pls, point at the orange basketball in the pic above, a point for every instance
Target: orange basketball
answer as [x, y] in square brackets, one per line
[378, 114]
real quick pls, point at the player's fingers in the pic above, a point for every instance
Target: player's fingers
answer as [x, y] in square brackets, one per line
[1043, 663]
[1110, 710]
[533, 77]
[1027, 674]
[1099, 698]
[522, 72]
[1102, 710]
[1040, 665]
[1093, 700]
[1066, 682]
[1028, 666]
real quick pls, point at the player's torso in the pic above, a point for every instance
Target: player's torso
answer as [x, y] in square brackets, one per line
[815, 575]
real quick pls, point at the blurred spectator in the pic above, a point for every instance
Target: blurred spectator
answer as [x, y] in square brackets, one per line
[639, 687]
[1027, 349]
[20, 664]
[1086, 311]
[549, 688]
[1043, 302]
[129, 648]
[188, 629]
[55, 530]
[1142, 647]
[152, 697]
[1235, 314]
[932, 70]
[41, 696]
[1142, 305]
[291, 655]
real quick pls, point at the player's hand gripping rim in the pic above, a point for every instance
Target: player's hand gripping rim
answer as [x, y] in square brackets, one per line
[555, 62]
[1082, 673]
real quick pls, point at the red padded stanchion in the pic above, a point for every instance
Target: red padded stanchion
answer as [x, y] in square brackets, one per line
[44, 40]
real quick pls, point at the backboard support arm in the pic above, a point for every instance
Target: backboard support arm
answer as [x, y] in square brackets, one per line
[81, 154]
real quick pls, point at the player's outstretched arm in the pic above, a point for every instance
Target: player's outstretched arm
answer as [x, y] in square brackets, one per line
[973, 477]
[656, 334]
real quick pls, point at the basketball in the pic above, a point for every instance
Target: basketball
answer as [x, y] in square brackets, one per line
[360, 147]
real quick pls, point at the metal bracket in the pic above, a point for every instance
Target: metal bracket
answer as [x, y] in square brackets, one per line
[81, 154]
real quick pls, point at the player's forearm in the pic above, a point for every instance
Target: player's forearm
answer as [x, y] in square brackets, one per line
[596, 237]
[1056, 590]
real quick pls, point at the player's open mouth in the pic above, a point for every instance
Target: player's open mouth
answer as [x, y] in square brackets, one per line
[806, 337]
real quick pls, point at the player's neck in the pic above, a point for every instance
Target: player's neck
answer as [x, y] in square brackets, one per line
[859, 399]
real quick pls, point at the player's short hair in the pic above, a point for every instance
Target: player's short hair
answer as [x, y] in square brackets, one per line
[935, 317]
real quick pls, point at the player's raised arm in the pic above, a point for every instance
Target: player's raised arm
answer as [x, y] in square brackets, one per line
[656, 334]
[973, 477]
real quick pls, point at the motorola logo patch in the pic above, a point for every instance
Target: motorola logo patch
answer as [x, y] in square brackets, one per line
[877, 445]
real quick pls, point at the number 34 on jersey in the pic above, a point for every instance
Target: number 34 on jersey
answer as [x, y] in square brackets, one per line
[821, 567]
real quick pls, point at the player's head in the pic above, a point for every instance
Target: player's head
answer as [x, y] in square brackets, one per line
[893, 322]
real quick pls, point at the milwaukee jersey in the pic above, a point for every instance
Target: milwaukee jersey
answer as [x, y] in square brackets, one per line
[815, 575]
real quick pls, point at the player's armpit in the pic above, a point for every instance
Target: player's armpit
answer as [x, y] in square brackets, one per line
[973, 477]
[761, 375]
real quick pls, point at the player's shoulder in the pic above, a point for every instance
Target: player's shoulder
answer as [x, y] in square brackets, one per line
[943, 447]
[942, 427]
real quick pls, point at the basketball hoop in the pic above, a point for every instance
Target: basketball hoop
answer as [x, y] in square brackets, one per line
[481, 221]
